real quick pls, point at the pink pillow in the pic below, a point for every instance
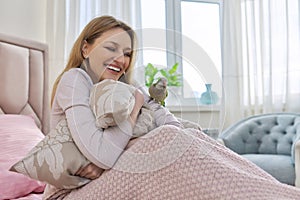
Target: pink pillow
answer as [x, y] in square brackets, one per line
[19, 134]
[14, 185]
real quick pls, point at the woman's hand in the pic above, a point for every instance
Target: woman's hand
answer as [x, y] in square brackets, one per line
[90, 171]
[139, 101]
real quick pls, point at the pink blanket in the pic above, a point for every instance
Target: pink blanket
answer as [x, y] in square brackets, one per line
[173, 163]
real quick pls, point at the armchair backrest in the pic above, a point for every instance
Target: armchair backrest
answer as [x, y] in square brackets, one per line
[272, 133]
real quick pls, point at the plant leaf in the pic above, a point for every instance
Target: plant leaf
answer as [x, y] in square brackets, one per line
[150, 72]
[164, 73]
[173, 69]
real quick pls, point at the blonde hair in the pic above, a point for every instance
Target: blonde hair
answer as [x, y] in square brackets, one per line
[93, 30]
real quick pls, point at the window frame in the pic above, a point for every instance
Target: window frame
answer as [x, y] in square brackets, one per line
[174, 40]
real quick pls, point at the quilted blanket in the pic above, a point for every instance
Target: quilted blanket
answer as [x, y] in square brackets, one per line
[173, 163]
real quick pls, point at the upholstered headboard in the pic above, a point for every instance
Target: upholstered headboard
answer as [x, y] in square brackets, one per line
[24, 79]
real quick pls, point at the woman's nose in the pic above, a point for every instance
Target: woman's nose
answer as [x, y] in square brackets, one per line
[120, 58]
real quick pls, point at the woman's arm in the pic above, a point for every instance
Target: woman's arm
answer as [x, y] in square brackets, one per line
[162, 115]
[101, 147]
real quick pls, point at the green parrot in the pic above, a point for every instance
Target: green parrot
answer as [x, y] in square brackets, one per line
[158, 91]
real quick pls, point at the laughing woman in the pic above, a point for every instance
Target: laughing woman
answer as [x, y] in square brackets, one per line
[167, 163]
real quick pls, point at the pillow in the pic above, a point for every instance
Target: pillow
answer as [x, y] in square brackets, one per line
[55, 160]
[18, 134]
[144, 123]
[14, 185]
[112, 102]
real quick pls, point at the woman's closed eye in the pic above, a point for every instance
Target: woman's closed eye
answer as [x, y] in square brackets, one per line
[127, 54]
[112, 49]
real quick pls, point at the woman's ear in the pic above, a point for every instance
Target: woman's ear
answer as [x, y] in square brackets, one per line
[84, 49]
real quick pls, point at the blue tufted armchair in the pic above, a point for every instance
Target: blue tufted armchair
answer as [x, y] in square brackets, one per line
[271, 141]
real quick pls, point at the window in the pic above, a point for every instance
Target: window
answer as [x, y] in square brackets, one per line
[188, 33]
[154, 22]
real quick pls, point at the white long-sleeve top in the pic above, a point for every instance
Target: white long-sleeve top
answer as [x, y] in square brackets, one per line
[101, 147]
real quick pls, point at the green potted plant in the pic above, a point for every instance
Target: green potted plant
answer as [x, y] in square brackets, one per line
[152, 73]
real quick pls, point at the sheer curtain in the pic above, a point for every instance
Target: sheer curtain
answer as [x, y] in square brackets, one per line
[261, 57]
[66, 19]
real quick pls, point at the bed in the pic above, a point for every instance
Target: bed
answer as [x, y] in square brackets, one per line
[24, 110]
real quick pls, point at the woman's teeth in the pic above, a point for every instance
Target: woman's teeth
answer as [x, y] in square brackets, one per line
[114, 68]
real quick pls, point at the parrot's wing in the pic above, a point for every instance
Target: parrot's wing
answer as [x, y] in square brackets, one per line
[163, 103]
[150, 90]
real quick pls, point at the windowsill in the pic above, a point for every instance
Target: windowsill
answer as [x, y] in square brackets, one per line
[194, 108]
[208, 116]
[190, 105]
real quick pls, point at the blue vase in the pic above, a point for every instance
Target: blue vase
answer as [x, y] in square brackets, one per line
[209, 96]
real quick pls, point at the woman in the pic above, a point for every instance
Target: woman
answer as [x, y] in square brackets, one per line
[104, 50]
[169, 162]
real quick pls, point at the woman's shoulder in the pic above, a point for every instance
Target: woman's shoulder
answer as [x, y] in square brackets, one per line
[76, 74]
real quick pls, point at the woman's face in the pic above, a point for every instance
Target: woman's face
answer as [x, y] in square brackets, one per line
[109, 56]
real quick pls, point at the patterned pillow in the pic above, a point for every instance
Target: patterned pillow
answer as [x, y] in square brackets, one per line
[54, 160]
[112, 102]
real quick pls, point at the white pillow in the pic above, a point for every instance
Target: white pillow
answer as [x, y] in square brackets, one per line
[112, 102]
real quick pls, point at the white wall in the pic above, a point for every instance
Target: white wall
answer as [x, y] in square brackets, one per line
[24, 18]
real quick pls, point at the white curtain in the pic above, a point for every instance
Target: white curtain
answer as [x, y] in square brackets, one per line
[261, 42]
[66, 19]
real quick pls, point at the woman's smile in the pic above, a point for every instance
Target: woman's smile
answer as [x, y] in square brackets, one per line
[114, 68]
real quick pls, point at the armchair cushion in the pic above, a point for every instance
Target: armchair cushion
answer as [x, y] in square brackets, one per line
[284, 171]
